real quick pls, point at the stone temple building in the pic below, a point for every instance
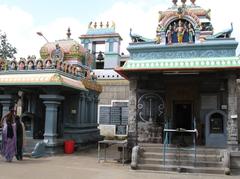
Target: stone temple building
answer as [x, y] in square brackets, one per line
[104, 43]
[56, 96]
[184, 87]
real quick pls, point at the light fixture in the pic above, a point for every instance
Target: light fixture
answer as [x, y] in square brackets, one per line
[180, 73]
[41, 34]
[222, 86]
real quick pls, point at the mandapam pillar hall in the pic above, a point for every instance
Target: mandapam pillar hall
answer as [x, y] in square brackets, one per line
[56, 96]
[187, 78]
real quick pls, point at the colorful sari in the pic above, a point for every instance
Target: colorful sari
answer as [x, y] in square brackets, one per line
[8, 142]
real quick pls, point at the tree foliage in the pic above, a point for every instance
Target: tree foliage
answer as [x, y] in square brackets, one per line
[6, 49]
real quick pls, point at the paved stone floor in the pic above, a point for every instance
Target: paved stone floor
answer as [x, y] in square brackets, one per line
[83, 165]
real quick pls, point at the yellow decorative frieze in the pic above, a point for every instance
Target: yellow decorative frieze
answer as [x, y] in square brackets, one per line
[26, 78]
[40, 79]
[56, 78]
[92, 85]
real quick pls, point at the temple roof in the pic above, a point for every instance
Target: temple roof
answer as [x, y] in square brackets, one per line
[180, 65]
[69, 49]
[192, 12]
[101, 30]
[181, 44]
[68, 46]
[42, 79]
[47, 78]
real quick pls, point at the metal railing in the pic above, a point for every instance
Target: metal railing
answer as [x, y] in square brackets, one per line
[181, 131]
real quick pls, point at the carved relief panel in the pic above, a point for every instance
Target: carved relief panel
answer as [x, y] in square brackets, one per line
[150, 107]
[150, 115]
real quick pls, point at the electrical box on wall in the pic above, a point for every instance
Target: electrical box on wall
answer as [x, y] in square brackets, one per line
[234, 116]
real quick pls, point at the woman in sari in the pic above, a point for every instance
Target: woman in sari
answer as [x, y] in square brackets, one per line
[9, 136]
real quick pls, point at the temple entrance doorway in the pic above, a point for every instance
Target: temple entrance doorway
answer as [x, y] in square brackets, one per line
[33, 114]
[182, 119]
[182, 115]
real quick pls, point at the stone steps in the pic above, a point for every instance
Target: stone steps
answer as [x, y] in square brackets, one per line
[170, 147]
[185, 156]
[180, 159]
[182, 168]
[181, 162]
[182, 150]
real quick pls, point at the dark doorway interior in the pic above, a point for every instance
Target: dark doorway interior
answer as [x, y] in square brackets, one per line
[33, 114]
[182, 118]
[183, 115]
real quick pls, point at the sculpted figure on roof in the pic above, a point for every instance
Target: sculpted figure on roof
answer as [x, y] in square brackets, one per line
[57, 54]
[90, 25]
[13, 65]
[169, 34]
[180, 31]
[191, 33]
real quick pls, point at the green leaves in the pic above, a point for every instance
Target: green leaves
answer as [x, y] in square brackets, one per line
[6, 49]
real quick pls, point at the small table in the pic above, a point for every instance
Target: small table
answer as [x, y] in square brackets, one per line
[122, 143]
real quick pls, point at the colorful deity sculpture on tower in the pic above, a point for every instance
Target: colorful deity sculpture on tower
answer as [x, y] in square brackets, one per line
[183, 23]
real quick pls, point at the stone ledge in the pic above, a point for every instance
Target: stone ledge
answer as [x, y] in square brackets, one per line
[235, 154]
[235, 160]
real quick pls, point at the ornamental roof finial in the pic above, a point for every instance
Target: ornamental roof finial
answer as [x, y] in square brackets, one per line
[183, 2]
[95, 25]
[175, 2]
[69, 33]
[193, 2]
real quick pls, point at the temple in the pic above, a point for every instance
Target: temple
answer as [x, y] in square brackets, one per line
[56, 96]
[175, 98]
[102, 40]
[184, 87]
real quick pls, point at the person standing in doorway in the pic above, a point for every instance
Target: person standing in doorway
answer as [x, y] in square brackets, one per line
[20, 136]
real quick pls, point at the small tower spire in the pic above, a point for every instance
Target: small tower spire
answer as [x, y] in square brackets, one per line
[95, 25]
[69, 33]
[183, 2]
[193, 2]
[175, 2]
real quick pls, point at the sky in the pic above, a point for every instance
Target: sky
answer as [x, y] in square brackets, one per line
[21, 19]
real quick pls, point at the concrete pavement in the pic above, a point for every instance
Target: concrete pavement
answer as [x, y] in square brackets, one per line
[83, 165]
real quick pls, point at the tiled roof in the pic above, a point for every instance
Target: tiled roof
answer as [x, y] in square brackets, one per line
[189, 63]
[101, 31]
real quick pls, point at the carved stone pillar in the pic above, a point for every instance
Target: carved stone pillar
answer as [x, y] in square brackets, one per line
[87, 113]
[132, 122]
[82, 108]
[232, 124]
[6, 101]
[238, 112]
[92, 110]
[51, 102]
[96, 100]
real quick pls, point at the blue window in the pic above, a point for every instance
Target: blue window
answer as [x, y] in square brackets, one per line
[110, 46]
